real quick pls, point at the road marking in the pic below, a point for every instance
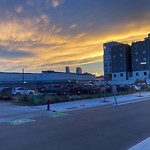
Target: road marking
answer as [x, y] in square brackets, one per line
[72, 108]
[129, 102]
[21, 121]
[56, 114]
[83, 105]
[144, 145]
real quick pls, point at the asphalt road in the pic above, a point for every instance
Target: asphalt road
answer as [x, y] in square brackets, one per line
[98, 128]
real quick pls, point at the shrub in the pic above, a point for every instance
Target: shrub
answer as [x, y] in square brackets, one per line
[24, 100]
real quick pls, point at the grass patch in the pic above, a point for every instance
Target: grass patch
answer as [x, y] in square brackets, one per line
[41, 99]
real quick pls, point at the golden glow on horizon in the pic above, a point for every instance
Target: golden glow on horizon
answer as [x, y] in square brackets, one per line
[52, 49]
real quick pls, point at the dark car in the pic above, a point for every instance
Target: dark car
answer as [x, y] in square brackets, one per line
[48, 90]
[6, 93]
[63, 91]
[75, 90]
[86, 89]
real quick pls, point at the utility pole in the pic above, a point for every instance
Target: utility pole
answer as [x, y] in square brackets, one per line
[23, 69]
[22, 77]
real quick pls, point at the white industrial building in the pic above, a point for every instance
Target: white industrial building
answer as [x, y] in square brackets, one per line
[45, 77]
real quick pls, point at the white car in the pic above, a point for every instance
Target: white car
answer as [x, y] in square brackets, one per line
[22, 91]
[137, 88]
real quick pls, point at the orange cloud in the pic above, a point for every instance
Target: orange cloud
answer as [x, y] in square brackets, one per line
[19, 9]
[73, 26]
[55, 3]
[43, 39]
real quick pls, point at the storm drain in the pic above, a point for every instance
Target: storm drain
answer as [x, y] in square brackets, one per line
[72, 108]
[82, 105]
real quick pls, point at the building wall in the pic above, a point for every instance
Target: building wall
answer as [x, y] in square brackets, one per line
[65, 76]
[140, 55]
[47, 77]
[141, 60]
[121, 61]
[121, 55]
[107, 59]
[134, 63]
[119, 76]
[141, 75]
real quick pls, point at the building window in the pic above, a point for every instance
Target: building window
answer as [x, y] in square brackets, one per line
[137, 74]
[120, 55]
[121, 74]
[145, 73]
[144, 52]
[136, 53]
[114, 75]
[144, 59]
[114, 56]
[136, 60]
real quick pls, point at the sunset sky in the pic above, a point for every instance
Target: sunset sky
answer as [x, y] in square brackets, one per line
[52, 34]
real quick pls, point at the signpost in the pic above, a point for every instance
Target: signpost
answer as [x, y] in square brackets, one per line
[114, 91]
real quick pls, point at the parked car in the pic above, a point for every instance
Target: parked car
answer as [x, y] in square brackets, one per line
[137, 88]
[22, 91]
[55, 90]
[63, 91]
[75, 90]
[48, 90]
[1, 88]
[6, 93]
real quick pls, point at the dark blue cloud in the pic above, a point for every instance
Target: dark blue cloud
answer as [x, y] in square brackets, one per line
[73, 62]
[12, 54]
[90, 15]
[103, 13]
[93, 17]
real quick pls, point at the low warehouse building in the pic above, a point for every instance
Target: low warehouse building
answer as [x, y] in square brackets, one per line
[19, 79]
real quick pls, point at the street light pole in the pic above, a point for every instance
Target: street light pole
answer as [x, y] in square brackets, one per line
[23, 69]
[35, 81]
[22, 77]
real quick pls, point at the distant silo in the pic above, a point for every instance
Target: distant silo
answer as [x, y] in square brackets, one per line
[78, 70]
[67, 69]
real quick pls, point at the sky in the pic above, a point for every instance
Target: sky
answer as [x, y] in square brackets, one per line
[52, 34]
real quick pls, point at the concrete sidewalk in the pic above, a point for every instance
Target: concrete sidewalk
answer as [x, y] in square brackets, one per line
[80, 104]
[8, 111]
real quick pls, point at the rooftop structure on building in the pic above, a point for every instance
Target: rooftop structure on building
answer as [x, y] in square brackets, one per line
[67, 69]
[100, 78]
[87, 73]
[78, 70]
[48, 71]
